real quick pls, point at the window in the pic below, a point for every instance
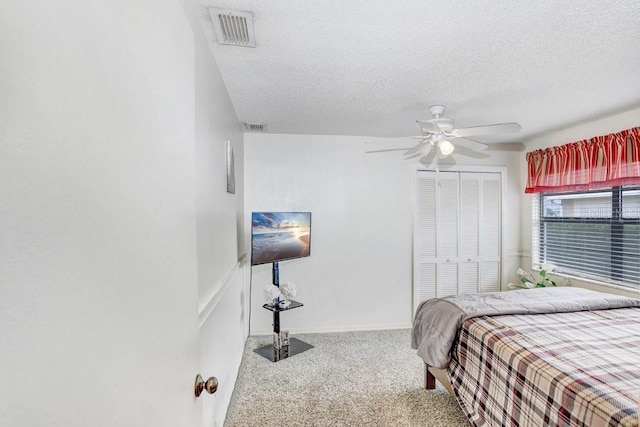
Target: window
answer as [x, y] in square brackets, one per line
[591, 234]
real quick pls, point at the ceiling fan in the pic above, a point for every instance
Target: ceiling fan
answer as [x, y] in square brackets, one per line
[439, 137]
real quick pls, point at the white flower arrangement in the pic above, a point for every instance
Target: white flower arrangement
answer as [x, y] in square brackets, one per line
[528, 280]
[288, 290]
[272, 293]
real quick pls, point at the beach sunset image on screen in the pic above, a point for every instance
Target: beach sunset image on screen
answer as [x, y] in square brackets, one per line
[278, 236]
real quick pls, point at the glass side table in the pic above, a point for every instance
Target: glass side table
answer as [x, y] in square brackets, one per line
[295, 346]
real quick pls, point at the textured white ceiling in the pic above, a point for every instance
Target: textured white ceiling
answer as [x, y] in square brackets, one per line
[373, 67]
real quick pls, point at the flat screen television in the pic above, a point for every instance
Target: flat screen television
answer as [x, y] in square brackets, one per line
[279, 236]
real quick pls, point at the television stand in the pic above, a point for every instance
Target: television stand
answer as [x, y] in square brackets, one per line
[295, 346]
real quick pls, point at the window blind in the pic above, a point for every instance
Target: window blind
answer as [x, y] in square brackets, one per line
[591, 234]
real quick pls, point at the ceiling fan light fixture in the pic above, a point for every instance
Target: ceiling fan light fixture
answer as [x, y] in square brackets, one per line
[445, 147]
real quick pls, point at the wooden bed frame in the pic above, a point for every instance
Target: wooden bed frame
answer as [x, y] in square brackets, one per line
[432, 374]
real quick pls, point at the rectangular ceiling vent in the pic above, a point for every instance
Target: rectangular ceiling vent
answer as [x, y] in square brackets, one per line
[233, 27]
[256, 127]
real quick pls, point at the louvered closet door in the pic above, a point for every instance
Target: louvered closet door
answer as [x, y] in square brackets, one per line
[469, 233]
[447, 233]
[457, 237]
[490, 248]
[424, 242]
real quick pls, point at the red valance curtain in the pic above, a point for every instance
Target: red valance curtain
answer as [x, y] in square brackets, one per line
[603, 161]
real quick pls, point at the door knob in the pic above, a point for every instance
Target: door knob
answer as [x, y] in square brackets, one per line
[211, 385]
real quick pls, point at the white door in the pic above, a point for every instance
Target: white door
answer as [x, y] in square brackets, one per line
[457, 233]
[98, 274]
[447, 233]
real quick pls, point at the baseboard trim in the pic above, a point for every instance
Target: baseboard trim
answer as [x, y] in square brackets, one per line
[262, 332]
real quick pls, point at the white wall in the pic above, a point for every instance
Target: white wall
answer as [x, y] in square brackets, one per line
[222, 286]
[579, 132]
[223, 331]
[359, 273]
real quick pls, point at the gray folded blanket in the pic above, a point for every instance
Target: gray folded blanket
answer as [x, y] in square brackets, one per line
[437, 320]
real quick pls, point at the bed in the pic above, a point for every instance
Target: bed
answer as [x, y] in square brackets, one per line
[535, 357]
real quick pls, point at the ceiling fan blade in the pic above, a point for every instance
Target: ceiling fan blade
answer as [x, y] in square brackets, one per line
[428, 159]
[487, 130]
[385, 150]
[470, 144]
[464, 151]
[447, 162]
[423, 148]
[506, 146]
[394, 139]
[428, 126]
[432, 159]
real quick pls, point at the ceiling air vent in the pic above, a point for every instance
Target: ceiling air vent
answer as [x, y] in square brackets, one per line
[256, 127]
[233, 27]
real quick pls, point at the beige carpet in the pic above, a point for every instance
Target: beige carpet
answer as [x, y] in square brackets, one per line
[370, 378]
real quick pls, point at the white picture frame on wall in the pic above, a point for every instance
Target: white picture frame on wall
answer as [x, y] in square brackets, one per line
[231, 178]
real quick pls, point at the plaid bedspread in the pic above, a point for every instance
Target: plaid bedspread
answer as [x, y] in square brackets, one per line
[561, 369]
